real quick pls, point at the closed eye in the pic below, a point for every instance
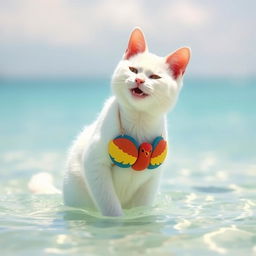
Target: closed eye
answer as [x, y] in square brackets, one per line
[153, 76]
[134, 70]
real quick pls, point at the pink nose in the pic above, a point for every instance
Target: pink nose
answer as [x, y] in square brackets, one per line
[139, 81]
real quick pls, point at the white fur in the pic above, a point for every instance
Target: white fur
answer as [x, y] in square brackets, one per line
[91, 181]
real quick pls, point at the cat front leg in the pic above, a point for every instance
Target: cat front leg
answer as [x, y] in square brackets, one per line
[99, 181]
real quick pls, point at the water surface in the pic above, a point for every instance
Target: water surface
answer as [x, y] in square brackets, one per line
[207, 201]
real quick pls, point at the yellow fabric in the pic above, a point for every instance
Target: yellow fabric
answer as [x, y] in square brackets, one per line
[159, 159]
[119, 155]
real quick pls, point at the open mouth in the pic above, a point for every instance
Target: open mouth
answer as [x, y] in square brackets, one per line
[138, 93]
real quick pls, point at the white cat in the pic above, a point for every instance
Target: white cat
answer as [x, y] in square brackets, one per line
[145, 87]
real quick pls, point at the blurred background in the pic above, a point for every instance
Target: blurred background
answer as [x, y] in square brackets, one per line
[57, 58]
[56, 61]
[57, 38]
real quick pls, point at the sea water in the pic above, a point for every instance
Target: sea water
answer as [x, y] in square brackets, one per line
[207, 201]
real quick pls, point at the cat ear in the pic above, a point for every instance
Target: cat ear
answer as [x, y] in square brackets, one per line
[178, 61]
[137, 44]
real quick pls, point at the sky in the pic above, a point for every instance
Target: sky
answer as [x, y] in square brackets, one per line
[59, 38]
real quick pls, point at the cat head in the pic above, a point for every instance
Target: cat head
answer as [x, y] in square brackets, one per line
[146, 82]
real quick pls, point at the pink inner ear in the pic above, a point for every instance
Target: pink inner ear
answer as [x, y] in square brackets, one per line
[137, 44]
[178, 61]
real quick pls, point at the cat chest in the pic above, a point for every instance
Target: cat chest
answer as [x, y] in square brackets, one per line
[127, 182]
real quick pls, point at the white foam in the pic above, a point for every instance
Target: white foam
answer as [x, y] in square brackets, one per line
[191, 197]
[183, 224]
[247, 209]
[42, 183]
[227, 235]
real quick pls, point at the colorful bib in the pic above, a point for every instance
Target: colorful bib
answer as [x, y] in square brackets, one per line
[125, 152]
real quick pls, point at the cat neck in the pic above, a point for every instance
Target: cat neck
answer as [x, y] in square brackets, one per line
[142, 125]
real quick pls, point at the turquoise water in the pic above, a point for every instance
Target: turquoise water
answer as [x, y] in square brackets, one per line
[207, 202]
